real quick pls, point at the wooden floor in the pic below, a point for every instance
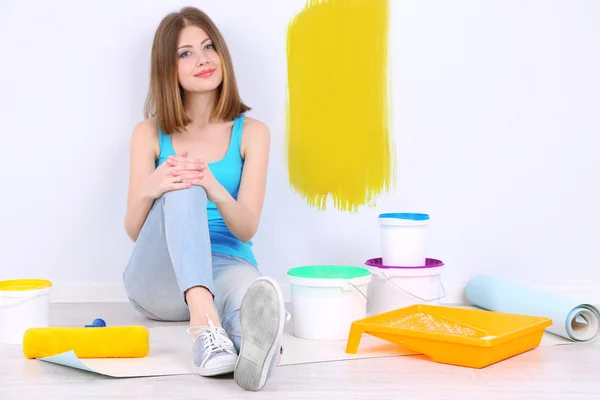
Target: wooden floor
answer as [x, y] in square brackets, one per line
[559, 372]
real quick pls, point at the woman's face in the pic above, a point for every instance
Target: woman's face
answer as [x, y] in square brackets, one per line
[198, 64]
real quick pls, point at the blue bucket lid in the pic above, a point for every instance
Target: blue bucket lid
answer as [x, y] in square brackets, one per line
[408, 216]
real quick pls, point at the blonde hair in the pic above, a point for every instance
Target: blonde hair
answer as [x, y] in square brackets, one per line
[165, 95]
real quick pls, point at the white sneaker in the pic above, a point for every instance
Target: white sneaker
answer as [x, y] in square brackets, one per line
[262, 319]
[213, 351]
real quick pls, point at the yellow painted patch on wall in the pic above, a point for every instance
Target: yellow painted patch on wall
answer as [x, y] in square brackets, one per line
[338, 140]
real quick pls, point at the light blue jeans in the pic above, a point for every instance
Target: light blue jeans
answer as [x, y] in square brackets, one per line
[173, 253]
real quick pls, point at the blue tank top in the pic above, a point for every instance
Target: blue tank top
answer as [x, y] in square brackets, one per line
[228, 171]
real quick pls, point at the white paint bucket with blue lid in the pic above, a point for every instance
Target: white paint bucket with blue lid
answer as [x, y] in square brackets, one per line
[403, 238]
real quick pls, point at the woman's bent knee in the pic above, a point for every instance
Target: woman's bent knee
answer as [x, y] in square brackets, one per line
[162, 312]
[193, 192]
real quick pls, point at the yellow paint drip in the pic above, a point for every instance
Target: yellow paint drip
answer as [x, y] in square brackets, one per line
[338, 138]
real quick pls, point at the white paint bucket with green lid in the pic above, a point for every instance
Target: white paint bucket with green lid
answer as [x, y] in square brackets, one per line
[326, 300]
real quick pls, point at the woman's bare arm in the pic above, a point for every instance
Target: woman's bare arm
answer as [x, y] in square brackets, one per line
[242, 216]
[143, 152]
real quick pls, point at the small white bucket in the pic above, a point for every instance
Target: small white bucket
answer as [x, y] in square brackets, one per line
[327, 299]
[394, 288]
[403, 238]
[24, 304]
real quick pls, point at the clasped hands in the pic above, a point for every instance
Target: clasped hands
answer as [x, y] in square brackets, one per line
[181, 172]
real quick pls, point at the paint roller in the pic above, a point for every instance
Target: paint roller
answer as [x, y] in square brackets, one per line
[571, 319]
[86, 342]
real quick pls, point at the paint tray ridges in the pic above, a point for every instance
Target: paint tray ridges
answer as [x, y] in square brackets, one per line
[426, 322]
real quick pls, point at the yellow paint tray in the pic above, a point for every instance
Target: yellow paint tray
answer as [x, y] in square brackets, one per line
[457, 336]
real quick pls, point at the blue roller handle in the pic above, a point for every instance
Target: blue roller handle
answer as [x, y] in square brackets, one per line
[97, 323]
[570, 319]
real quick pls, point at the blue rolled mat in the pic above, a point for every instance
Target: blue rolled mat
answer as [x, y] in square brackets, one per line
[570, 319]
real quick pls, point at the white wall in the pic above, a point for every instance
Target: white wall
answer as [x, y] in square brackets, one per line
[495, 117]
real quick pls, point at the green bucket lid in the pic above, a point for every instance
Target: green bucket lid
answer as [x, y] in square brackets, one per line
[328, 272]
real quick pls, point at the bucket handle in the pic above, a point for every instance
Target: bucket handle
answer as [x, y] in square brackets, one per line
[360, 291]
[21, 300]
[414, 295]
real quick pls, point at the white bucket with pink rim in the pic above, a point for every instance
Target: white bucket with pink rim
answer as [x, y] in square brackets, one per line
[394, 287]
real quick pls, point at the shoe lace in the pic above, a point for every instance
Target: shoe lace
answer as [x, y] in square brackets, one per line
[213, 340]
